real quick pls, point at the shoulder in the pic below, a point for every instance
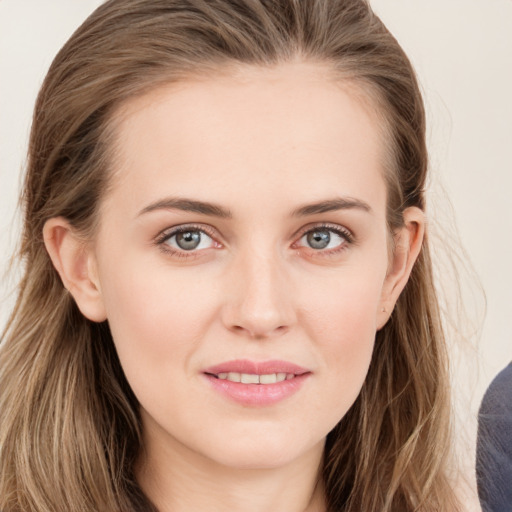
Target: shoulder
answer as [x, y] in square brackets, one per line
[494, 444]
[497, 401]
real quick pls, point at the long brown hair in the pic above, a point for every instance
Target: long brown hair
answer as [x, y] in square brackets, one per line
[70, 427]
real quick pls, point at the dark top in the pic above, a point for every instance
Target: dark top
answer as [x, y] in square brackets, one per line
[494, 445]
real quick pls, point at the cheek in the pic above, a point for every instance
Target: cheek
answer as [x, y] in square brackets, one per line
[156, 319]
[344, 307]
[343, 323]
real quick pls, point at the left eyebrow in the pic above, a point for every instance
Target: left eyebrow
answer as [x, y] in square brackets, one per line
[331, 205]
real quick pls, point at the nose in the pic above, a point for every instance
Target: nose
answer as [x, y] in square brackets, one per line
[259, 298]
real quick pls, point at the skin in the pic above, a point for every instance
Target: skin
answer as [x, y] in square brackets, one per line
[261, 144]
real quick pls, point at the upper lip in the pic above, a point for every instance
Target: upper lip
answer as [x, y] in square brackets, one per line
[256, 368]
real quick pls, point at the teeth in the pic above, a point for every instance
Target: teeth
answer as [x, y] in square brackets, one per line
[247, 378]
[268, 379]
[250, 378]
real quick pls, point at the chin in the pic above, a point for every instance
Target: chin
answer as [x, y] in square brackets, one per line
[262, 450]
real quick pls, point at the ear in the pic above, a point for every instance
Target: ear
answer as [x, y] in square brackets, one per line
[75, 262]
[407, 245]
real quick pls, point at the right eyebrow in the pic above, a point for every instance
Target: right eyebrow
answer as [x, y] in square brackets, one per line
[188, 205]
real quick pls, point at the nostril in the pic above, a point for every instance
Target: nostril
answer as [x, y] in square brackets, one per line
[257, 333]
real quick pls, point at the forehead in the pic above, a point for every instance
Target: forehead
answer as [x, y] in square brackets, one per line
[254, 128]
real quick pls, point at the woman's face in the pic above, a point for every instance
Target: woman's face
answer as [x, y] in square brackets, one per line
[244, 238]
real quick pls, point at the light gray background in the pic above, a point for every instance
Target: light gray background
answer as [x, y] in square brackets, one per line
[462, 50]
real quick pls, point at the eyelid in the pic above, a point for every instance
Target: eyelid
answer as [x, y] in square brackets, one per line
[337, 228]
[169, 232]
[180, 228]
[341, 231]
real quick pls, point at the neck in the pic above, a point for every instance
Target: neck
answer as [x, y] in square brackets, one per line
[177, 479]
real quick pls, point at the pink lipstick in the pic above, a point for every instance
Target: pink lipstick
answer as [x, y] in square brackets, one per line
[256, 383]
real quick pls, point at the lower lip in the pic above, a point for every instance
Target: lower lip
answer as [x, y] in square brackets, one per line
[258, 395]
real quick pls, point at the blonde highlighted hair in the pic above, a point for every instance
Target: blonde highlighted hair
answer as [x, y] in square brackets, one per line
[70, 427]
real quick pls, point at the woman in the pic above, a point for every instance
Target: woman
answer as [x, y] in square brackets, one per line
[228, 298]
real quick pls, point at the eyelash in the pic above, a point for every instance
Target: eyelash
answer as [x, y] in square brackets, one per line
[342, 232]
[166, 235]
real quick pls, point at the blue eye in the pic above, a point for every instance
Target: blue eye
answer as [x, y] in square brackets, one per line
[189, 240]
[323, 238]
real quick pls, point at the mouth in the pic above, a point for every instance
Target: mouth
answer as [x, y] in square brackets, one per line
[252, 383]
[254, 378]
